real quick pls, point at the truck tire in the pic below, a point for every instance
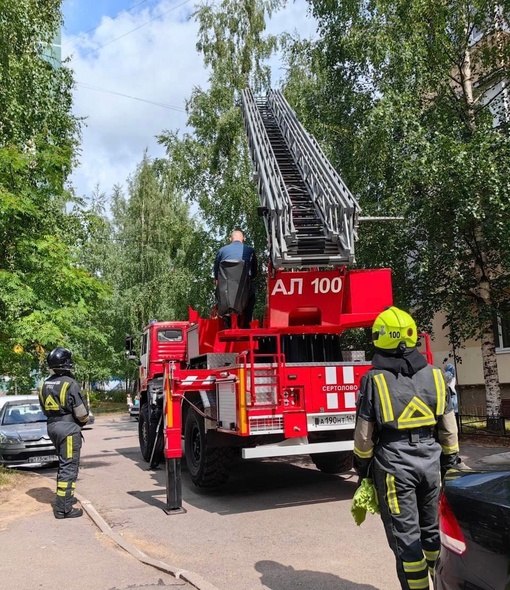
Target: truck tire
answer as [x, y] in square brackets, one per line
[147, 429]
[208, 467]
[337, 462]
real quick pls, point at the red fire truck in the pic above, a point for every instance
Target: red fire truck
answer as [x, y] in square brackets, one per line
[288, 385]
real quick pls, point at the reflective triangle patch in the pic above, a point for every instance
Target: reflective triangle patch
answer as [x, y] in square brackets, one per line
[416, 414]
[50, 404]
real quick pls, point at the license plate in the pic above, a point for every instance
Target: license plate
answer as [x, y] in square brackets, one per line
[43, 459]
[333, 420]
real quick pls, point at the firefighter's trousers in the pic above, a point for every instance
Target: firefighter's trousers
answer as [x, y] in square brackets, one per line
[66, 436]
[408, 501]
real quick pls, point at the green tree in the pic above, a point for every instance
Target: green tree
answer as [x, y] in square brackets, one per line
[154, 250]
[412, 95]
[92, 345]
[44, 293]
[213, 162]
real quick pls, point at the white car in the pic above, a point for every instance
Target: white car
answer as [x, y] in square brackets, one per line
[134, 410]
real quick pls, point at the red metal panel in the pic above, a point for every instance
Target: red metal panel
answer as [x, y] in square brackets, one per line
[306, 298]
[172, 416]
[173, 445]
[367, 291]
[294, 424]
[334, 389]
[207, 331]
[328, 298]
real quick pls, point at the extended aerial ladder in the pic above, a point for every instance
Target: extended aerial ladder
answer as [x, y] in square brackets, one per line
[288, 386]
[310, 215]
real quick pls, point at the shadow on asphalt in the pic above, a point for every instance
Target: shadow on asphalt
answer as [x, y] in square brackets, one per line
[277, 576]
[153, 498]
[268, 483]
[42, 495]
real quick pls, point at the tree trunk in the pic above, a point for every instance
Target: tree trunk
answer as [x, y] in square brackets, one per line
[495, 423]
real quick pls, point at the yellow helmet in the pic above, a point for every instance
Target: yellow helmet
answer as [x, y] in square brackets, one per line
[393, 326]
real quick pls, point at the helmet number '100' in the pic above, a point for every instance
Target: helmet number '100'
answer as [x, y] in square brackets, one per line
[320, 285]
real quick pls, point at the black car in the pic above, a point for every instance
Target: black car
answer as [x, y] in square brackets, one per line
[474, 519]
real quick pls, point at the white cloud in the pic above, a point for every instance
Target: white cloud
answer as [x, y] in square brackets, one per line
[158, 62]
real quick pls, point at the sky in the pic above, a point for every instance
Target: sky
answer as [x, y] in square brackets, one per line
[134, 64]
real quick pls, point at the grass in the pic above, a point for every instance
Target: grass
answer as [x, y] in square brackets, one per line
[9, 478]
[479, 421]
[108, 407]
[477, 425]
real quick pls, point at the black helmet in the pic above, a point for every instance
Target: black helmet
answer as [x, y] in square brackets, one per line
[60, 358]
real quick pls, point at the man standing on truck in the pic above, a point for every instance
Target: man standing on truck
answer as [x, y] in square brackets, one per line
[237, 250]
[405, 440]
[62, 402]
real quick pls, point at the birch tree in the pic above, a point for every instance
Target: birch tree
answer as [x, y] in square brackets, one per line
[153, 245]
[415, 113]
[213, 161]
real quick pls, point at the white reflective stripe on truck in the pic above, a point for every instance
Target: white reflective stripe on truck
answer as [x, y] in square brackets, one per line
[296, 446]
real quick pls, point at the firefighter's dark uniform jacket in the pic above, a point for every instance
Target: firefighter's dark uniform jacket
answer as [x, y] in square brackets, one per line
[62, 402]
[405, 431]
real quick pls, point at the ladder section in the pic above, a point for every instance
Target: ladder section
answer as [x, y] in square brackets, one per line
[310, 215]
[261, 385]
[308, 242]
[275, 203]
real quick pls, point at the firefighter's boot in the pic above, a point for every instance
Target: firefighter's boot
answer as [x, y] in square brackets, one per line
[74, 513]
[65, 501]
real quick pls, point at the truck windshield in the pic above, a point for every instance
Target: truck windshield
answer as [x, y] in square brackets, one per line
[169, 335]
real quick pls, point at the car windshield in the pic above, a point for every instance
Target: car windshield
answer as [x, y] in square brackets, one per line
[22, 414]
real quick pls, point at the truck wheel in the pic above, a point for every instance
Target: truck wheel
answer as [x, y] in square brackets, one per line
[208, 467]
[147, 428]
[337, 462]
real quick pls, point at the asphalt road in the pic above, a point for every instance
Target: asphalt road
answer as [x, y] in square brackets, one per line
[277, 524]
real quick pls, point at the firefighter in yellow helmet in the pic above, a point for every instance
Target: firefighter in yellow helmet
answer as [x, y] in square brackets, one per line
[405, 438]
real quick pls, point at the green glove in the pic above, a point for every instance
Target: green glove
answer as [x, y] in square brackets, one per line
[365, 498]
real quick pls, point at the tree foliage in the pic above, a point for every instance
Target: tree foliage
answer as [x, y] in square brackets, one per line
[155, 251]
[45, 293]
[412, 97]
[213, 162]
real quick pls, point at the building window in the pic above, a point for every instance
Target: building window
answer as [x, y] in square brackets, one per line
[502, 330]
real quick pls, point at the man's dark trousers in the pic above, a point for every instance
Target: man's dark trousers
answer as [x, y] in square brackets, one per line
[66, 436]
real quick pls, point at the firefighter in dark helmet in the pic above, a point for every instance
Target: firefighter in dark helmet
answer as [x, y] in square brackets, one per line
[62, 402]
[405, 439]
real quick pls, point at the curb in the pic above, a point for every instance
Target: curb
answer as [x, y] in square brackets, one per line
[190, 577]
